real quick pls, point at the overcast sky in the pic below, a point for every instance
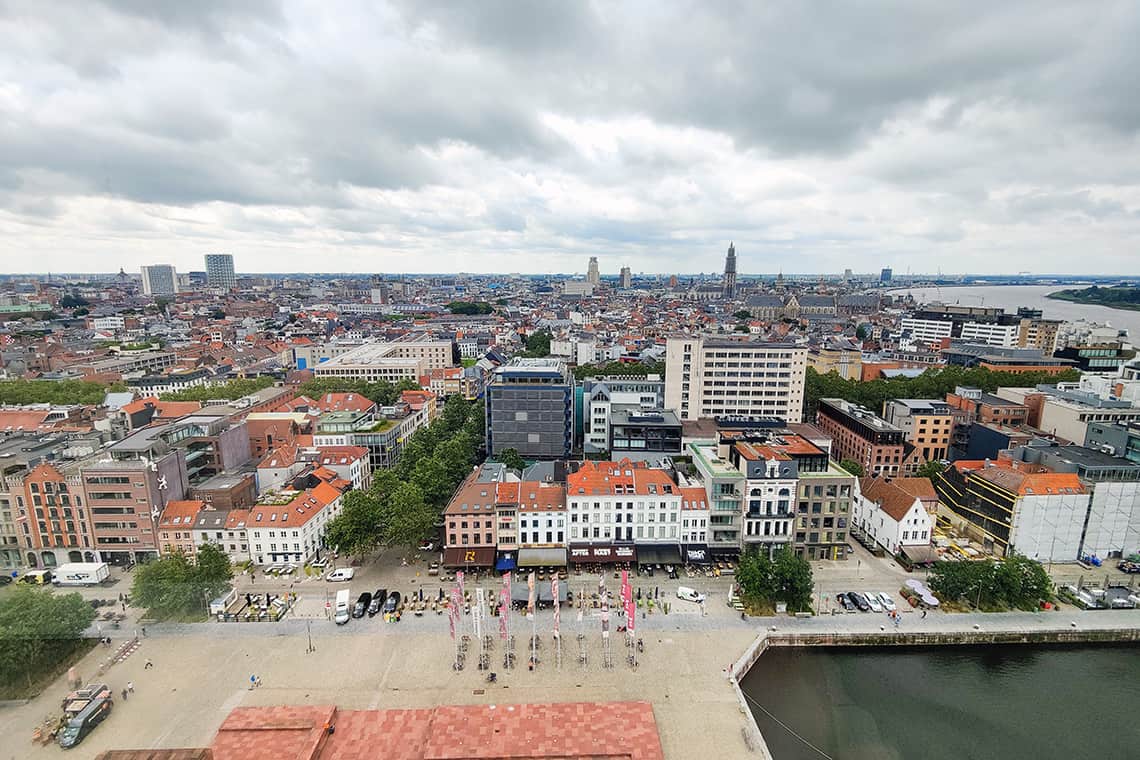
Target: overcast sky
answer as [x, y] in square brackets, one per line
[527, 136]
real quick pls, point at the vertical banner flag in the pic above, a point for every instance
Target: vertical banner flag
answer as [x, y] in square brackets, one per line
[454, 607]
[459, 582]
[530, 595]
[630, 616]
[557, 606]
[505, 607]
[477, 612]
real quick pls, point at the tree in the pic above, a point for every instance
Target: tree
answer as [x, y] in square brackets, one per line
[794, 583]
[742, 314]
[755, 575]
[213, 572]
[173, 585]
[863, 331]
[236, 388]
[852, 467]
[1015, 581]
[538, 345]
[931, 469]
[470, 307]
[622, 369]
[38, 629]
[511, 458]
[62, 392]
[431, 479]
[742, 328]
[357, 529]
[406, 518]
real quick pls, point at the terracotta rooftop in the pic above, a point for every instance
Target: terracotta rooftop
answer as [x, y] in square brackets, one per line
[566, 731]
[893, 500]
[624, 478]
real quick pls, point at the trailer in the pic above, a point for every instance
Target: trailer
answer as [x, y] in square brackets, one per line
[81, 574]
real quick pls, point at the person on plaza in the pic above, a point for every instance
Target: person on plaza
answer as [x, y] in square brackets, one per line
[148, 664]
[252, 681]
[924, 613]
[130, 686]
[124, 695]
[144, 631]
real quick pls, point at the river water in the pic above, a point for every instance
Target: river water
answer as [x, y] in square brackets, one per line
[948, 703]
[1009, 297]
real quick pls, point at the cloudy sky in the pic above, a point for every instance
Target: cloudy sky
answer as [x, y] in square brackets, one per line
[420, 135]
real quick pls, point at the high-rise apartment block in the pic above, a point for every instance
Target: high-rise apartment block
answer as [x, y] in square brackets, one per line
[626, 278]
[220, 271]
[717, 377]
[530, 408]
[159, 280]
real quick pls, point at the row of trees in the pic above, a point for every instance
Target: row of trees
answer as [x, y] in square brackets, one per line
[403, 504]
[785, 578]
[236, 388]
[538, 345]
[173, 585]
[470, 307]
[934, 383]
[1121, 298]
[1013, 582]
[39, 630]
[622, 369]
[61, 392]
[382, 392]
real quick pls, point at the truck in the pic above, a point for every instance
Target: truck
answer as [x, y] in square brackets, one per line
[81, 574]
[343, 614]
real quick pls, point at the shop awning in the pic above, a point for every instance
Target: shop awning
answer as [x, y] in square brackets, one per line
[601, 553]
[552, 557]
[520, 592]
[469, 556]
[920, 555]
[661, 554]
[697, 555]
[505, 562]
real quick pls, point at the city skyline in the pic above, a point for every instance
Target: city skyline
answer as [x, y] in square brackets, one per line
[528, 138]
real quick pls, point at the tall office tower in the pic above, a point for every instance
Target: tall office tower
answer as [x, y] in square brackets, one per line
[847, 275]
[220, 271]
[159, 280]
[709, 377]
[730, 272]
[592, 275]
[626, 277]
[885, 275]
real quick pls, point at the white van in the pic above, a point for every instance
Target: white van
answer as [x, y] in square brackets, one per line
[343, 614]
[344, 574]
[689, 594]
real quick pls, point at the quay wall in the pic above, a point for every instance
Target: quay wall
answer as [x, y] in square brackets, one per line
[773, 638]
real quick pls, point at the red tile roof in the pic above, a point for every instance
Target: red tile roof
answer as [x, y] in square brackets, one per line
[567, 731]
[626, 477]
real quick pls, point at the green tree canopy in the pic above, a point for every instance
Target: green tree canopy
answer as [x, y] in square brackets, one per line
[356, 529]
[784, 578]
[233, 389]
[470, 307]
[406, 517]
[852, 467]
[538, 345]
[934, 383]
[381, 392]
[1013, 582]
[173, 585]
[37, 629]
[931, 469]
[62, 392]
[742, 314]
[621, 369]
[511, 458]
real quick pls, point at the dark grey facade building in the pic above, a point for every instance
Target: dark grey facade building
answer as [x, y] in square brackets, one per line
[530, 407]
[638, 433]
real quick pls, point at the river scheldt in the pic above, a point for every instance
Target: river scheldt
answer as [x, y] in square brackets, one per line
[1009, 297]
[948, 703]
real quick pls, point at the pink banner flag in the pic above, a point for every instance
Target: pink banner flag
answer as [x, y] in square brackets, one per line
[530, 594]
[504, 611]
[630, 616]
[459, 581]
[557, 606]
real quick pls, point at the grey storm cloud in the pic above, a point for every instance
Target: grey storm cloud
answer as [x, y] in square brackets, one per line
[653, 130]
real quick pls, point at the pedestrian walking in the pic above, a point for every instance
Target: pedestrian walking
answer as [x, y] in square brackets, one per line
[257, 683]
[124, 606]
[924, 614]
[131, 686]
[252, 681]
[124, 695]
[144, 631]
[148, 665]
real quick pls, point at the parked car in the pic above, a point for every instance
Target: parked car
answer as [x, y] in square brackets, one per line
[844, 602]
[377, 601]
[5, 580]
[427, 546]
[433, 568]
[858, 600]
[887, 602]
[343, 574]
[873, 600]
[362, 603]
[1128, 567]
[393, 602]
[689, 594]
